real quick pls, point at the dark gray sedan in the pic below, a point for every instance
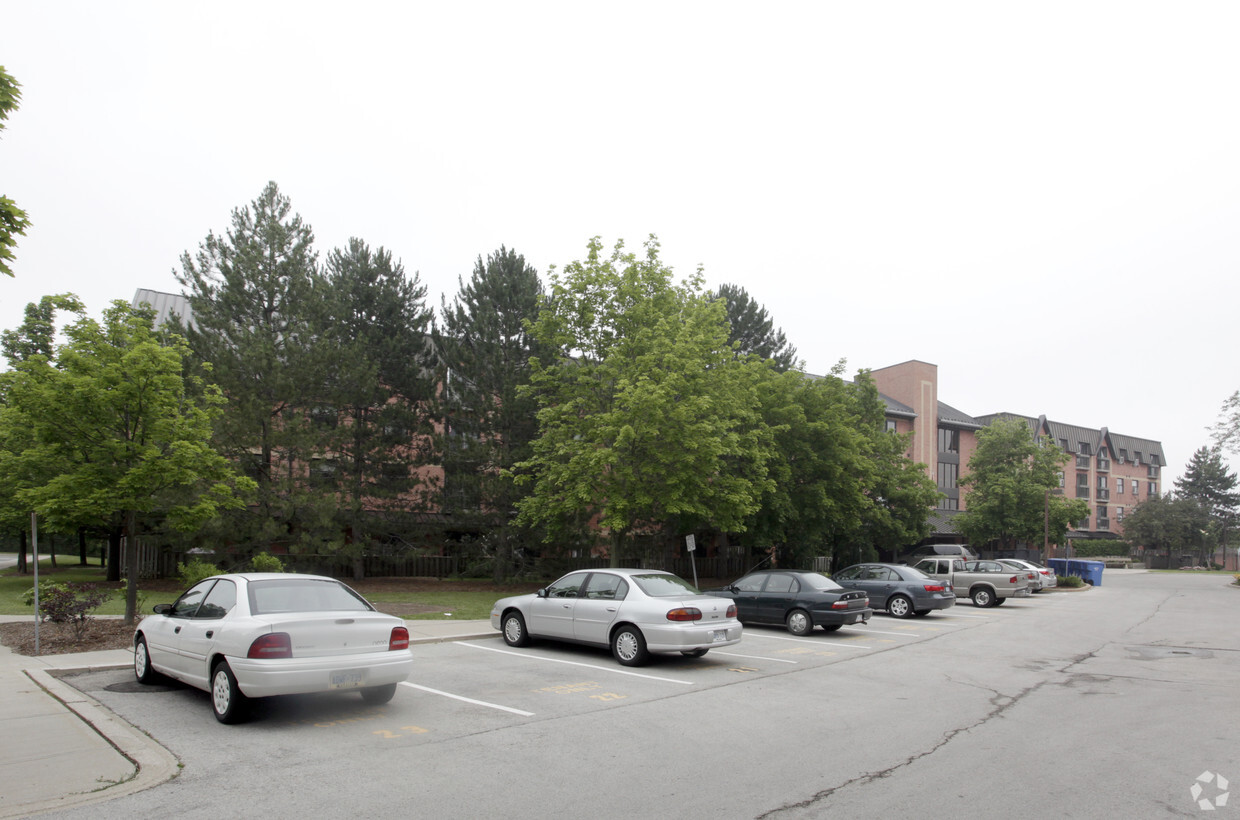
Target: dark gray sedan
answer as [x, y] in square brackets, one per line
[902, 591]
[799, 600]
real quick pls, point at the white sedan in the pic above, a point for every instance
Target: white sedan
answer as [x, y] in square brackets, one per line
[253, 635]
[632, 611]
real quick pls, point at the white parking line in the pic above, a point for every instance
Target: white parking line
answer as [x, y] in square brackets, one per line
[525, 656]
[958, 615]
[815, 641]
[754, 657]
[468, 700]
[901, 634]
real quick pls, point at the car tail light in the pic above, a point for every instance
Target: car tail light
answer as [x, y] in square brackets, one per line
[271, 645]
[399, 639]
[685, 613]
[935, 588]
[1012, 580]
[731, 611]
[1045, 571]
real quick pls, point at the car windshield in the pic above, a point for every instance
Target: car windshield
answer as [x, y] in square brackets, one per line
[815, 580]
[303, 595]
[664, 586]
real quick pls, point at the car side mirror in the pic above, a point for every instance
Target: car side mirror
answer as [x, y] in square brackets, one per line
[162, 609]
[542, 593]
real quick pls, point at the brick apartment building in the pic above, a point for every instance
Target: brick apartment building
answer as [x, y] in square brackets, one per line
[1112, 472]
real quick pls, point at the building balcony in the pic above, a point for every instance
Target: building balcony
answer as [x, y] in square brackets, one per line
[1082, 462]
[1082, 492]
[1104, 523]
[1104, 465]
[1104, 495]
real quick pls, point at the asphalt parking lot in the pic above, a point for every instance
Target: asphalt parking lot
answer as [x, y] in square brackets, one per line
[1057, 701]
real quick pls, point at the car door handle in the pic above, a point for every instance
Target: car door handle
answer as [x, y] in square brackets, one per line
[210, 633]
[177, 630]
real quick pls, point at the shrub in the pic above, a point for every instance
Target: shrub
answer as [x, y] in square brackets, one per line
[196, 570]
[69, 603]
[1102, 547]
[1071, 581]
[266, 562]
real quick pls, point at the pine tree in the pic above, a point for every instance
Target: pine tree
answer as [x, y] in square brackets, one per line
[252, 297]
[489, 421]
[753, 331]
[374, 408]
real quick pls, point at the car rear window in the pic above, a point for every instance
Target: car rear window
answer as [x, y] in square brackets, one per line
[664, 586]
[303, 595]
[814, 580]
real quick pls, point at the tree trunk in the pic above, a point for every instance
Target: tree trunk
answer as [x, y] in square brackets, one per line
[82, 546]
[51, 548]
[114, 554]
[131, 568]
[22, 563]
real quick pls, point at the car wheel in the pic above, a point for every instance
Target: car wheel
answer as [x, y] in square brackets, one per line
[378, 695]
[900, 607]
[227, 700]
[695, 653]
[920, 613]
[514, 630]
[629, 647]
[983, 597]
[142, 663]
[799, 622]
[831, 627]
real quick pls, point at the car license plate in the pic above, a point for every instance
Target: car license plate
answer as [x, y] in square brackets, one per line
[719, 635]
[347, 679]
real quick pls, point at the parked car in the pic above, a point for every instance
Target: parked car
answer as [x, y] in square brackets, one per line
[902, 591]
[254, 635]
[960, 551]
[632, 611]
[1044, 577]
[988, 583]
[799, 600]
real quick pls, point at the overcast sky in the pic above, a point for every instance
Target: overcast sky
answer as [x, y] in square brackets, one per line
[1043, 199]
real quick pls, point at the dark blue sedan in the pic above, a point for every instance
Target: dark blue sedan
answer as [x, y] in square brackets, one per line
[798, 600]
[902, 591]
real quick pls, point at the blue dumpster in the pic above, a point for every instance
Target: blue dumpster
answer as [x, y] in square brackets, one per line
[1058, 565]
[1091, 571]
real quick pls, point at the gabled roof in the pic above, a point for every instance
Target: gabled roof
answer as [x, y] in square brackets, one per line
[1075, 435]
[952, 417]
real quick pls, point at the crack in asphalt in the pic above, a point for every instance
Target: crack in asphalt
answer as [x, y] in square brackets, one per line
[999, 701]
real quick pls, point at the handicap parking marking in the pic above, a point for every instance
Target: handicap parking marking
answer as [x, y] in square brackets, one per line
[753, 657]
[532, 657]
[815, 641]
[475, 702]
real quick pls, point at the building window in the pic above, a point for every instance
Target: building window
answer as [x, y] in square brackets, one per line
[1063, 443]
[1119, 486]
[1061, 479]
[1119, 515]
[1082, 485]
[1153, 489]
[1123, 455]
[891, 425]
[948, 475]
[1084, 445]
[1136, 458]
[946, 503]
[949, 440]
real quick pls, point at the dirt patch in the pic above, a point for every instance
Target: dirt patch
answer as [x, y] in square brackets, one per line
[58, 639]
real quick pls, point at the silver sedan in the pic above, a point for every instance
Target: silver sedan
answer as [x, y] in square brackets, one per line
[257, 634]
[633, 611]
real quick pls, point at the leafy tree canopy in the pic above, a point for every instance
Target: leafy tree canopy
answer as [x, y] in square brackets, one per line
[1011, 481]
[645, 415]
[13, 220]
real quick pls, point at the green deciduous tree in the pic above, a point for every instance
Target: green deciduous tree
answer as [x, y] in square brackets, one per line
[752, 330]
[645, 414]
[13, 220]
[255, 294]
[127, 434]
[1011, 479]
[1163, 523]
[1226, 432]
[489, 419]
[372, 410]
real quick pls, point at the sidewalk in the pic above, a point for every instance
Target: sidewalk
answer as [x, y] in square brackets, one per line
[63, 749]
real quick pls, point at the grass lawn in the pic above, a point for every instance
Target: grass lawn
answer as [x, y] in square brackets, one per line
[460, 601]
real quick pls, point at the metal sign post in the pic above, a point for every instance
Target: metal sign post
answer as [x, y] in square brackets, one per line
[34, 541]
[691, 546]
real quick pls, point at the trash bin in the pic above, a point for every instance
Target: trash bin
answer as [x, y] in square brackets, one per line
[1058, 565]
[1091, 571]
